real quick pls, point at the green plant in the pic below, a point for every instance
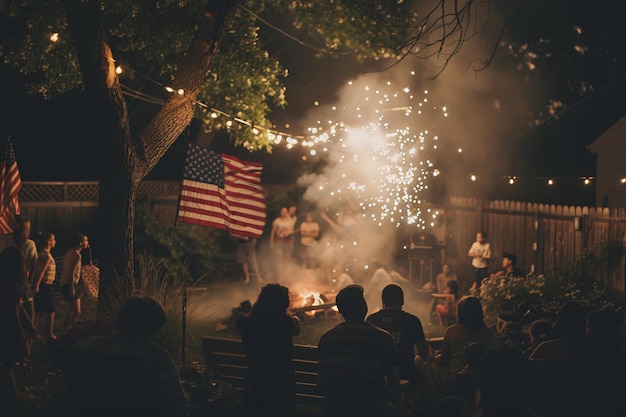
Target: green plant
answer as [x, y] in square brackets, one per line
[154, 279]
[185, 250]
[546, 293]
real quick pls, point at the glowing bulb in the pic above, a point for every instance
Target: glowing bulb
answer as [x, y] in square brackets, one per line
[181, 91]
[459, 150]
[255, 131]
[169, 89]
[512, 180]
[550, 181]
[118, 70]
[473, 177]
[587, 181]
[229, 123]
[622, 180]
[213, 115]
[54, 37]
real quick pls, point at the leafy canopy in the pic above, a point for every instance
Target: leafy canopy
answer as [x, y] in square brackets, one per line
[149, 39]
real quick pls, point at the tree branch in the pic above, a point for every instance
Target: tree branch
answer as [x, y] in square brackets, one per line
[176, 114]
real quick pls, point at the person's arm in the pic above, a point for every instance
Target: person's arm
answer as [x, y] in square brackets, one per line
[422, 348]
[41, 274]
[471, 252]
[487, 253]
[443, 359]
[274, 230]
[446, 296]
[75, 258]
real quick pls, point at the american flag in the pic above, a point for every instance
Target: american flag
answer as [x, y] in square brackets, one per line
[221, 191]
[10, 186]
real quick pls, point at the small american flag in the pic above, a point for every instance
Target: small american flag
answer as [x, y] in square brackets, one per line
[221, 191]
[10, 186]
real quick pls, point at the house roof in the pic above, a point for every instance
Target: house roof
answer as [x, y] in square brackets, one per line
[617, 132]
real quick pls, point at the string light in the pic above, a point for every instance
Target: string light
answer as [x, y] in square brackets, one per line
[277, 137]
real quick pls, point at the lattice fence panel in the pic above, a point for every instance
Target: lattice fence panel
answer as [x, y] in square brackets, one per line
[41, 192]
[83, 192]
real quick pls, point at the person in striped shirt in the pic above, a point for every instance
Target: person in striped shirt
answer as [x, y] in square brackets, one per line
[359, 365]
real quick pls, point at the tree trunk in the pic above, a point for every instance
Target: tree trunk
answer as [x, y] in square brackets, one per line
[123, 162]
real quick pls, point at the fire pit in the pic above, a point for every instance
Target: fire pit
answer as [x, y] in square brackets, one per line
[311, 305]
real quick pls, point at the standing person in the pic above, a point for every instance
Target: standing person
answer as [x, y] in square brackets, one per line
[70, 276]
[309, 232]
[246, 256]
[380, 279]
[13, 347]
[28, 251]
[45, 273]
[405, 328]
[358, 362]
[281, 239]
[267, 336]
[480, 252]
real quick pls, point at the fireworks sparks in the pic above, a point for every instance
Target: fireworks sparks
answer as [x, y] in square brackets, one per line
[380, 153]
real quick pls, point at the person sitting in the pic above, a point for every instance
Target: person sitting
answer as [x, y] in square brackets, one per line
[569, 344]
[470, 327]
[267, 336]
[358, 363]
[405, 328]
[446, 311]
[539, 331]
[139, 321]
[463, 398]
[509, 268]
[504, 384]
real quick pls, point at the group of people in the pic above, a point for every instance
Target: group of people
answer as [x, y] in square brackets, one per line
[477, 371]
[27, 307]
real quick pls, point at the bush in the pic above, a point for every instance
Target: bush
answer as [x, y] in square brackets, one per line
[545, 293]
[203, 249]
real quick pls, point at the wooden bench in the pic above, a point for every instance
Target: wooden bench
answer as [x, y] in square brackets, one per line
[226, 357]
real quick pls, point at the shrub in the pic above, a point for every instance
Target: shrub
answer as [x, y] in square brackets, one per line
[546, 293]
[202, 249]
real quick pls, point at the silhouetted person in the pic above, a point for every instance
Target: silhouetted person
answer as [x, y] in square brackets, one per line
[267, 336]
[13, 347]
[358, 363]
[504, 383]
[70, 277]
[539, 331]
[569, 343]
[138, 321]
[405, 328]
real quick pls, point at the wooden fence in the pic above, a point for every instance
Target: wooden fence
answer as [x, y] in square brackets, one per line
[543, 237]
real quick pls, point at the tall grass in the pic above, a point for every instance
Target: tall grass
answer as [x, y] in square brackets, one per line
[155, 279]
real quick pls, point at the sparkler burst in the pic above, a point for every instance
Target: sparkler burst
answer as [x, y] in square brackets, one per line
[380, 153]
